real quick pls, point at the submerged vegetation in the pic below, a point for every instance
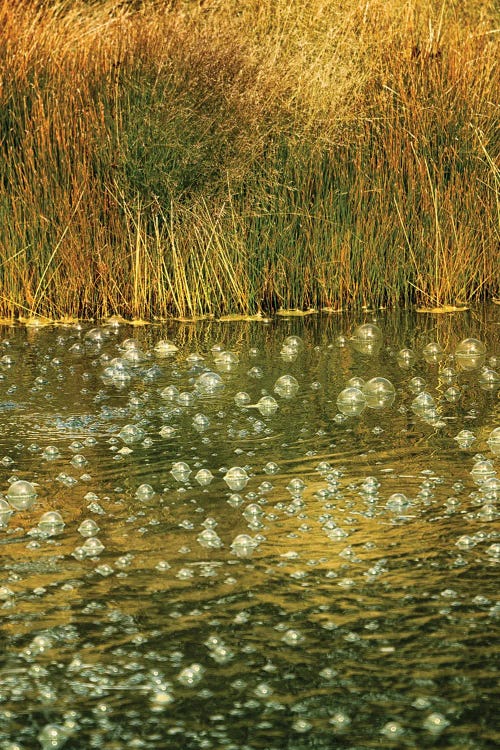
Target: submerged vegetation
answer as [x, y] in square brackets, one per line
[192, 158]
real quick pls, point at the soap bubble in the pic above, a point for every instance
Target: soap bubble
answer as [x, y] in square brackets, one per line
[242, 398]
[209, 383]
[494, 441]
[356, 382]
[51, 523]
[271, 468]
[424, 405]
[5, 512]
[448, 375]
[293, 637]
[286, 386]
[204, 477]
[21, 495]
[452, 393]
[92, 547]
[379, 393]
[480, 472]
[88, 528]
[367, 339]
[351, 401]
[417, 385]
[50, 453]
[296, 486]
[267, 406]
[397, 502]
[236, 478]
[489, 380]
[180, 471]
[201, 422]
[226, 361]
[433, 353]
[470, 354]
[243, 545]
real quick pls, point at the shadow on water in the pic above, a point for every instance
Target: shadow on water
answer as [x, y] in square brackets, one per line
[343, 595]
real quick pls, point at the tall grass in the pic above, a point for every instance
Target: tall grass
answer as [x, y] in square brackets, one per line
[191, 158]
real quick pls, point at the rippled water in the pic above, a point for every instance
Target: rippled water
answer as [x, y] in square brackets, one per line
[363, 611]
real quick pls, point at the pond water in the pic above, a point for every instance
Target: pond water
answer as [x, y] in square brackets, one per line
[242, 559]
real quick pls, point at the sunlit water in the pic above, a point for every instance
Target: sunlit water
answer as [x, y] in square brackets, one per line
[346, 596]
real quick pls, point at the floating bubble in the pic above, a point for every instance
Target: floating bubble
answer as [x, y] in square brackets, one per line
[165, 348]
[424, 405]
[452, 393]
[465, 438]
[53, 736]
[253, 511]
[5, 512]
[242, 398]
[186, 398]
[226, 361]
[470, 354]
[406, 358]
[209, 383]
[236, 478]
[489, 380]
[144, 492]
[51, 523]
[201, 422]
[392, 730]
[267, 406]
[131, 433]
[340, 720]
[293, 637]
[204, 477]
[180, 471]
[494, 441]
[243, 545]
[435, 723]
[433, 353]
[379, 393]
[367, 339]
[286, 386]
[493, 551]
[271, 468]
[92, 547]
[51, 452]
[167, 431]
[296, 486]
[480, 472]
[191, 676]
[170, 393]
[88, 528]
[351, 401]
[210, 539]
[448, 375]
[21, 495]
[397, 502]
[417, 385]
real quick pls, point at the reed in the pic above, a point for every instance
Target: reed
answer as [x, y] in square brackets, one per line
[195, 159]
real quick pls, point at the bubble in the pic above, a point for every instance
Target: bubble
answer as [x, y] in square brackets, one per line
[272, 468]
[180, 471]
[379, 393]
[50, 452]
[367, 339]
[201, 422]
[209, 383]
[243, 545]
[21, 495]
[493, 441]
[465, 438]
[424, 405]
[5, 512]
[480, 472]
[210, 539]
[494, 551]
[52, 736]
[131, 433]
[435, 723]
[340, 720]
[293, 637]
[452, 393]
[392, 729]
[165, 348]
[204, 477]
[433, 353]
[417, 385]
[167, 431]
[351, 401]
[88, 528]
[267, 406]
[170, 393]
[191, 676]
[397, 502]
[301, 726]
[253, 512]
[489, 380]
[51, 523]
[242, 398]
[470, 354]
[226, 361]
[236, 478]
[406, 358]
[144, 492]
[296, 486]
[186, 398]
[92, 547]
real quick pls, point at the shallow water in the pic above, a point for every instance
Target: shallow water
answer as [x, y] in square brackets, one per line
[352, 619]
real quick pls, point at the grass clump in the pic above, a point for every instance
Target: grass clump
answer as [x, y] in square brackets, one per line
[191, 158]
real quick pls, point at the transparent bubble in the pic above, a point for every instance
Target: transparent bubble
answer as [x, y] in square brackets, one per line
[465, 438]
[180, 471]
[5, 512]
[296, 486]
[286, 386]
[470, 354]
[480, 472]
[165, 348]
[170, 393]
[301, 726]
[293, 637]
[423, 404]
[340, 720]
[272, 468]
[144, 492]
[51, 523]
[453, 393]
[433, 353]
[367, 332]
[204, 477]
[201, 422]
[236, 478]
[167, 431]
[88, 528]
[50, 452]
[186, 398]
[242, 398]
[351, 401]
[226, 361]
[209, 383]
[131, 433]
[21, 495]
[493, 551]
[435, 723]
[243, 545]
[392, 730]
[379, 393]
[397, 502]
[406, 358]
[293, 341]
[267, 406]
[253, 511]
[494, 441]
[52, 736]
[489, 380]
[417, 385]
[448, 375]
[191, 676]
[92, 547]
[210, 539]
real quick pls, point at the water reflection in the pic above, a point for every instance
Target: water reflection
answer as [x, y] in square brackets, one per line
[236, 555]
